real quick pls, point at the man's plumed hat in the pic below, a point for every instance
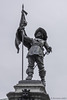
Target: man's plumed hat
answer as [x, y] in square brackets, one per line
[42, 31]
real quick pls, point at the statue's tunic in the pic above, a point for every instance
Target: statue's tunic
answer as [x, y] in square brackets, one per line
[37, 47]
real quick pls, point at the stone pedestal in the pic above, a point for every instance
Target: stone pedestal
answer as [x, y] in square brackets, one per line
[36, 91]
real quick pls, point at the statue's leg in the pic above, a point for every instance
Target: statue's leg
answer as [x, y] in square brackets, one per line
[30, 69]
[42, 71]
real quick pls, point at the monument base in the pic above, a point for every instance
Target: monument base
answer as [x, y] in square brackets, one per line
[29, 89]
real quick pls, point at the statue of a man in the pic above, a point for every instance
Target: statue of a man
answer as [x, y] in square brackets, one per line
[35, 51]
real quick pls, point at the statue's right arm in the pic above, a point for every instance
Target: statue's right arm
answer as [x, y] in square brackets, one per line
[28, 39]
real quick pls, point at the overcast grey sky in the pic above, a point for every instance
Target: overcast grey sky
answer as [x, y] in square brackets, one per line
[52, 16]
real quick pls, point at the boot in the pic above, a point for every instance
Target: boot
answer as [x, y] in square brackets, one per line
[42, 76]
[29, 72]
[29, 77]
[43, 82]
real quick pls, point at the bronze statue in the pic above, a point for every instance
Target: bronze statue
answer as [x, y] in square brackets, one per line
[35, 50]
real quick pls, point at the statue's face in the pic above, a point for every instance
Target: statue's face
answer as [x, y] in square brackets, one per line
[39, 35]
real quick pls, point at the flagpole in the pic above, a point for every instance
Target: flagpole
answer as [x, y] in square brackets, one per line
[22, 42]
[23, 23]
[22, 55]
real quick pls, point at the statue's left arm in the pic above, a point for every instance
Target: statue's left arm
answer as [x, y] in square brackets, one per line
[47, 47]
